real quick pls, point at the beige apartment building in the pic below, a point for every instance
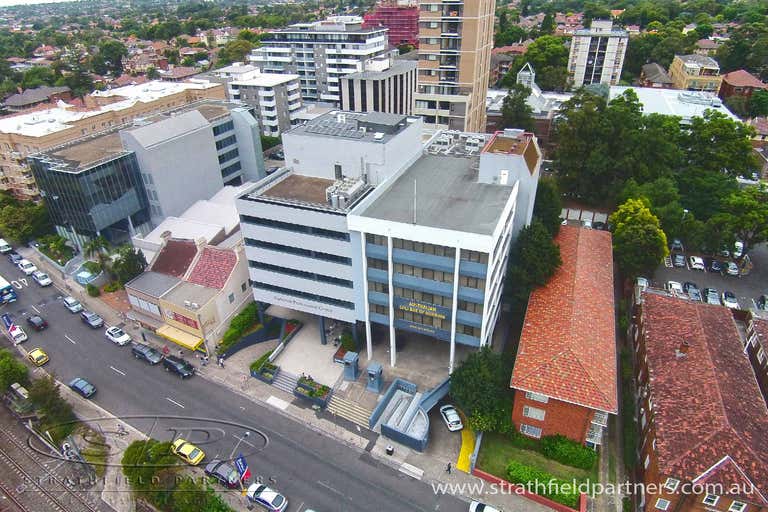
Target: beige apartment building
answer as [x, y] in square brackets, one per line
[455, 42]
[695, 73]
[40, 129]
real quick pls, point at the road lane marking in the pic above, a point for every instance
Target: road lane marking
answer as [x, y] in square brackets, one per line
[323, 484]
[174, 402]
[70, 340]
[117, 371]
[411, 470]
[277, 402]
[33, 307]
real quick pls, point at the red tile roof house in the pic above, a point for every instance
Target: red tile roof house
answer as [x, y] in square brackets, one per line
[565, 371]
[704, 424]
[740, 83]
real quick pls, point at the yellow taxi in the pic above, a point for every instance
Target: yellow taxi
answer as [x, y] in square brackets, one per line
[37, 357]
[187, 452]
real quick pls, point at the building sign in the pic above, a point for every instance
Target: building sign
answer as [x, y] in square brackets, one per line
[418, 307]
[429, 330]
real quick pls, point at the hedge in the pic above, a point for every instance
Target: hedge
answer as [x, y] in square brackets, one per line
[240, 323]
[568, 452]
[553, 488]
[260, 361]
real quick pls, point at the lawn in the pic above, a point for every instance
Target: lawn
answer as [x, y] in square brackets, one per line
[496, 451]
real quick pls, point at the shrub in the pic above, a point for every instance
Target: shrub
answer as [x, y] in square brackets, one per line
[239, 324]
[256, 365]
[550, 487]
[112, 287]
[348, 342]
[568, 452]
[92, 290]
[93, 267]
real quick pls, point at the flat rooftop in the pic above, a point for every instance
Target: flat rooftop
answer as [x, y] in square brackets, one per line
[370, 126]
[300, 188]
[194, 293]
[459, 203]
[266, 79]
[674, 102]
[83, 154]
[153, 284]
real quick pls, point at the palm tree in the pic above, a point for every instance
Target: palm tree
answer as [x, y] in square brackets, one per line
[95, 246]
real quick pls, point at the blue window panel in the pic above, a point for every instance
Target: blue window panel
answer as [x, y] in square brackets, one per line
[419, 259]
[379, 319]
[466, 339]
[379, 298]
[377, 275]
[423, 285]
[467, 318]
[471, 294]
[473, 269]
[376, 251]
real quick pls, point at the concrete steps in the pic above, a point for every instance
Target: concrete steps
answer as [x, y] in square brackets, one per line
[285, 381]
[349, 411]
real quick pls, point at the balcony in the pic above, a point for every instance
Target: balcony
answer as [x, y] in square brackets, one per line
[601, 418]
[595, 435]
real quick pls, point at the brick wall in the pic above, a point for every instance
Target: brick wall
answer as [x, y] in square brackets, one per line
[560, 418]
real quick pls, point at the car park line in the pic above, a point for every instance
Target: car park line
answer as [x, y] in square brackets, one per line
[36, 310]
[117, 371]
[174, 402]
[70, 340]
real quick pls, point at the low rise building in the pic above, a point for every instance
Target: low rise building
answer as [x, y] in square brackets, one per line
[391, 90]
[695, 73]
[741, 83]
[672, 102]
[565, 376]
[653, 75]
[703, 421]
[31, 98]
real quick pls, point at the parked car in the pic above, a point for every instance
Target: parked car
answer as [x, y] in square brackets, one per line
[91, 319]
[147, 353]
[279, 155]
[26, 266]
[677, 245]
[678, 260]
[674, 288]
[16, 333]
[267, 498]
[72, 304]
[179, 366]
[711, 296]
[692, 290]
[762, 303]
[477, 506]
[37, 323]
[586, 224]
[696, 263]
[14, 257]
[732, 269]
[272, 170]
[187, 452]
[5, 247]
[42, 278]
[117, 335]
[451, 418]
[716, 266]
[37, 357]
[223, 472]
[82, 386]
[729, 299]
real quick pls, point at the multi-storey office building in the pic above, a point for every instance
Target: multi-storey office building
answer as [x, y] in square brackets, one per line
[381, 244]
[391, 91]
[597, 54]
[322, 52]
[455, 42]
[32, 132]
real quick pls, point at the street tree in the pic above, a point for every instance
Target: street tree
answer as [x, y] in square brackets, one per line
[515, 111]
[703, 192]
[129, 263]
[758, 104]
[549, 57]
[109, 58]
[748, 212]
[548, 205]
[234, 51]
[534, 259]
[11, 370]
[714, 142]
[639, 244]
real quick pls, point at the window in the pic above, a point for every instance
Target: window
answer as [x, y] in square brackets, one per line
[671, 484]
[244, 286]
[337, 171]
[737, 506]
[530, 430]
[231, 298]
[534, 413]
[662, 504]
[710, 499]
[229, 155]
[538, 397]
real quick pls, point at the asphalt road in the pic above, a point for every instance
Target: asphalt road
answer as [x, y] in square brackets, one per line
[310, 469]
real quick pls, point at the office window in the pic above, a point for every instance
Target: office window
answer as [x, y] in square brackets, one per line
[534, 413]
[711, 500]
[231, 298]
[538, 397]
[662, 504]
[530, 430]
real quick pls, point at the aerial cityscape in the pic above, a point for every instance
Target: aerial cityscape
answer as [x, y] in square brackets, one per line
[390, 255]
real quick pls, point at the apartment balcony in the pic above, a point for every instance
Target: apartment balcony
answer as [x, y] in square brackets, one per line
[268, 103]
[294, 97]
[266, 93]
[595, 435]
[601, 418]
[294, 106]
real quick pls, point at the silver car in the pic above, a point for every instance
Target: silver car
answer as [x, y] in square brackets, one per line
[451, 418]
[72, 304]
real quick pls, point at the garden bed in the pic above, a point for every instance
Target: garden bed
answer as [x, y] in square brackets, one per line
[263, 370]
[307, 389]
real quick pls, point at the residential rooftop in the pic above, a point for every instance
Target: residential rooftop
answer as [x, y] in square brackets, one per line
[153, 284]
[709, 416]
[194, 293]
[700, 60]
[674, 102]
[32, 96]
[175, 257]
[567, 348]
[743, 78]
[213, 267]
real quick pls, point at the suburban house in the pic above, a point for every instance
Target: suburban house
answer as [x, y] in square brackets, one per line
[565, 372]
[741, 83]
[190, 292]
[703, 420]
[654, 75]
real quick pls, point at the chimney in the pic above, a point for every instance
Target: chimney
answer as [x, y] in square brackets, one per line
[682, 350]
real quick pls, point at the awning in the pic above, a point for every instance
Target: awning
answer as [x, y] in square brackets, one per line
[180, 337]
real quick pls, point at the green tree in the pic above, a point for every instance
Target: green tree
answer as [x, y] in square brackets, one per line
[758, 104]
[95, 246]
[11, 370]
[480, 387]
[402, 49]
[143, 460]
[548, 205]
[234, 51]
[738, 105]
[109, 59]
[515, 111]
[549, 57]
[38, 76]
[639, 244]
[703, 192]
[746, 48]
[129, 263]
[748, 210]
[534, 258]
[57, 415]
[152, 73]
[715, 142]
[22, 221]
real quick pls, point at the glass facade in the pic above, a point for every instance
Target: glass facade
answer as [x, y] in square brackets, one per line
[98, 199]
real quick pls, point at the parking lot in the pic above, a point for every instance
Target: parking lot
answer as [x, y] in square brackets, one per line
[747, 288]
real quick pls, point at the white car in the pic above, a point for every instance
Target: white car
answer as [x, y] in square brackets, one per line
[732, 269]
[118, 336]
[42, 278]
[27, 267]
[17, 334]
[696, 263]
[476, 506]
[729, 300]
[72, 304]
[267, 498]
[674, 288]
[451, 418]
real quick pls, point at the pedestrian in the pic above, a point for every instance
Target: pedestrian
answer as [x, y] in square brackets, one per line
[448, 468]
[221, 361]
[181, 352]
[166, 350]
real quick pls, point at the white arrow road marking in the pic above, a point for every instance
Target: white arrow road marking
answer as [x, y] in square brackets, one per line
[174, 402]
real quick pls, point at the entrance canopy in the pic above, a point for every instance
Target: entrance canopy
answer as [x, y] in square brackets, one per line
[180, 337]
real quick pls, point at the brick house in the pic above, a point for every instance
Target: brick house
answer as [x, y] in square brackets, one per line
[740, 83]
[702, 417]
[565, 371]
[756, 348]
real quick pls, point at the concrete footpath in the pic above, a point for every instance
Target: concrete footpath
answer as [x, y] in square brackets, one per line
[235, 376]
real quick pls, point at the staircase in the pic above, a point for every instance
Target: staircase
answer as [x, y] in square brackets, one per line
[349, 410]
[286, 381]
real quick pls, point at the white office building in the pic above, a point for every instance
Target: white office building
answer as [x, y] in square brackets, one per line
[322, 52]
[597, 54]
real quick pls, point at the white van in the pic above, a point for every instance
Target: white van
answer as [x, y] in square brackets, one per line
[5, 247]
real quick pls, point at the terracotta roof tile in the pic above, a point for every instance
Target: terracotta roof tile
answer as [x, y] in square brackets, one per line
[175, 257]
[213, 267]
[743, 78]
[568, 344]
[707, 404]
